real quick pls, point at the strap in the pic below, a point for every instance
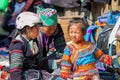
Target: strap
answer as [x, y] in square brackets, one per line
[110, 53]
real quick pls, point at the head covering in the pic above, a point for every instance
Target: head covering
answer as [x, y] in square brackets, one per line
[27, 19]
[48, 17]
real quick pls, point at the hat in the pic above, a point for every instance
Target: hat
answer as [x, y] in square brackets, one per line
[48, 17]
[27, 19]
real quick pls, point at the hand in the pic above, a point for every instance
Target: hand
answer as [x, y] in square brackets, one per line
[14, 14]
[59, 61]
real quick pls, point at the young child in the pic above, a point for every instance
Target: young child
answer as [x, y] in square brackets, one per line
[23, 49]
[80, 56]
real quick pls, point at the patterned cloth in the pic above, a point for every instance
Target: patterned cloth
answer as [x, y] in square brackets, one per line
[82, 62]
[91, 32]
[4, 75]
[48, 17]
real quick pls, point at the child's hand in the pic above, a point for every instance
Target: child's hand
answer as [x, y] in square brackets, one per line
[14, 14]
[108, 60]
[59, 61]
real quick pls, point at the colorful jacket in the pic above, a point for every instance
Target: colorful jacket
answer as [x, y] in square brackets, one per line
[81, 61]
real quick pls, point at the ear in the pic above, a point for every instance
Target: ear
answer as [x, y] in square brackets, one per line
[28, 30]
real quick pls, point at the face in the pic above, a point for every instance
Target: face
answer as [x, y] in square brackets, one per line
[48, 30]
[19, 1]
[33, 33]
[76, 34]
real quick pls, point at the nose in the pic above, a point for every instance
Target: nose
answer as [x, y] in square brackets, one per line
[73, 35]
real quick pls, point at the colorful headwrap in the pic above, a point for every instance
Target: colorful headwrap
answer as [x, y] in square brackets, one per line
[48, 17]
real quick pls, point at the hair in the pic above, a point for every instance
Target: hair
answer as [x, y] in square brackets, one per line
[24, 30]
[80, 22]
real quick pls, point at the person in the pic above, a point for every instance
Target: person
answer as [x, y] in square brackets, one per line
[14, 8]
[80, 56]
[51, 41]
[23, 49]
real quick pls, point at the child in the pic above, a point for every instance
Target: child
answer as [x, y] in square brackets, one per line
[23, 49]
[80, 56]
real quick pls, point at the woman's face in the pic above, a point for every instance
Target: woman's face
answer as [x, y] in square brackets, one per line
[34, 31]
[48, 30]
[75, 33]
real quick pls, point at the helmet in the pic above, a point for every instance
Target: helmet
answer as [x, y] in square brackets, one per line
[27, 19]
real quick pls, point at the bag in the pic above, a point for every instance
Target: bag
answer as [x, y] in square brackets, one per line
[110, 18]
[104, 75]
[103, 38]
[3, 4]
[32, 74]
[116, 63]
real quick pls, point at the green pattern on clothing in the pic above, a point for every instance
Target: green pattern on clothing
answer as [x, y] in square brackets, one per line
[17, 60]
[49, 17]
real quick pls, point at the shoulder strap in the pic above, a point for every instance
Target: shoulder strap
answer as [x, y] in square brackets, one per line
[110, 53]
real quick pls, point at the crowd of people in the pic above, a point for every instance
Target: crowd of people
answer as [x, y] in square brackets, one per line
[38, 50]
[37, 36]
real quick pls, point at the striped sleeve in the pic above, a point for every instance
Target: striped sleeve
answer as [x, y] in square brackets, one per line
[103, 57]
[16, 61]
[66, 64]
[98, 53]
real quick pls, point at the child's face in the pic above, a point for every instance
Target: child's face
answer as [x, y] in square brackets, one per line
[34, 31]
[76, 34]
[48, 30]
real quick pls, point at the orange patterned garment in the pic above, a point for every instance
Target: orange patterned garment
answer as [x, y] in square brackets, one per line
[79, 62]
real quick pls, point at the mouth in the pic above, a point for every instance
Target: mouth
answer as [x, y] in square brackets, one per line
[73, 39]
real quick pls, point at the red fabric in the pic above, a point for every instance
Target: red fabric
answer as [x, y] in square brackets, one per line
[17, 51]
[108, 60]
[65, 75]
[1, 67]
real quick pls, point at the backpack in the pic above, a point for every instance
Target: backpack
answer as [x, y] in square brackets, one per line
[103, 38]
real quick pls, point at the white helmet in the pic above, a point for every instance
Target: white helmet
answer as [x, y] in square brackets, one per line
[27, 19]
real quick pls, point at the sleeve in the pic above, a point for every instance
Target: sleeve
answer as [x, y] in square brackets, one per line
[103, 57]
[66, 64]
[59, 40]
[52, 61]
[16, 61]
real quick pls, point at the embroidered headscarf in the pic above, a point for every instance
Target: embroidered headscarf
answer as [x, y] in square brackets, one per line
[48, 17]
